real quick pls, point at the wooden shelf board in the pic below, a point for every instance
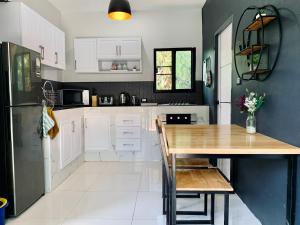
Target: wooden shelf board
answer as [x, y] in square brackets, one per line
[257, 24]
[251, 50]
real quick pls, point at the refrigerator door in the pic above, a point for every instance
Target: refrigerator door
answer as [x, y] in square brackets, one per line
[27, 159]
[24, 76]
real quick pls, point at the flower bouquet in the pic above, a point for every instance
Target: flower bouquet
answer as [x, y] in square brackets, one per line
[250, 103]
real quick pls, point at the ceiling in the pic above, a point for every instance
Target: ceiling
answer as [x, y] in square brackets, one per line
[67, 6]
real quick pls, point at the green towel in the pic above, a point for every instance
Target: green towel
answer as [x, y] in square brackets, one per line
[47, 122]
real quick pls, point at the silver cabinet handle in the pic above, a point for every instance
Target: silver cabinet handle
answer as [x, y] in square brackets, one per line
[128, 145]
[42, 52]
[117, 52]
[85, 122]
[56, 58]
[120, 50]
[75, 64]
[127, 132]
[73, 126]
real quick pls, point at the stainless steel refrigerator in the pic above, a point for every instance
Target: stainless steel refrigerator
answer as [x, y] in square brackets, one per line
[21, 153]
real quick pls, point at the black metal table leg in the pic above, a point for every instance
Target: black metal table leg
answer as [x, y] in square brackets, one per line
[173, 209]
[226, 209]
[212, 209]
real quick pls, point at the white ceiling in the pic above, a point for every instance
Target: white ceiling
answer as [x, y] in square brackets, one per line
[66, 6]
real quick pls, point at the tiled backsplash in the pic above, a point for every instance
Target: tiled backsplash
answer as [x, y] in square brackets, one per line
[143, 89]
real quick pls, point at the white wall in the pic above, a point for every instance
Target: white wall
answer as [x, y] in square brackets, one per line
[158, 29]
[53, 15]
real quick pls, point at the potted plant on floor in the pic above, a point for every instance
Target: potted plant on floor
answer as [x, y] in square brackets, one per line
[250, 103]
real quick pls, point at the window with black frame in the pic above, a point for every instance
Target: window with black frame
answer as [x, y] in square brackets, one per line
[174, 69]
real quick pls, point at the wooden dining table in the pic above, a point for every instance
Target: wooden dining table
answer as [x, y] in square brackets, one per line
[226, 141]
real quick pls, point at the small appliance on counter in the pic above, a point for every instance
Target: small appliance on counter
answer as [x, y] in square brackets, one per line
[134, 100]
[106, 100]
[72, 97]
[124, 99]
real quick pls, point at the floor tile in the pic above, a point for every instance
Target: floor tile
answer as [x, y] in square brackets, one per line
[148, 206]
[147, 222]
[95, 222]
[56, 205]
[106, 205]
[151, 179]
[34, 222]
[116, 182]
[78, 182]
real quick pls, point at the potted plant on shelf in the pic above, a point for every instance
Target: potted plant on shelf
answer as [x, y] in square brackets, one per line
[250, 103]
[255, 61]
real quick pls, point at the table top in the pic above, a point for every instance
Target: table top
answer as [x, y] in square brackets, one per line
[223, 140]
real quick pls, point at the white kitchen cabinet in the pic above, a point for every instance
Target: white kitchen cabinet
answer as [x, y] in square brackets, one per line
[22, 25]
[71, 135]
[85, 50]
[97, 133]
[119, 48]
[130, 48]
[59, 48]
[107, 48]
[66, 143]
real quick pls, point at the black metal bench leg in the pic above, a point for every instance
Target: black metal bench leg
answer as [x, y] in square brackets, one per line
[164, 192]
[212, 209]
[205, 204]
[226, 209]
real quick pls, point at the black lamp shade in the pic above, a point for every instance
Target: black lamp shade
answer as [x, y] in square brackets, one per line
[119, 10]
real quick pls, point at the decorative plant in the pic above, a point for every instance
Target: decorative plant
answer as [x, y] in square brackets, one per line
[251, 102]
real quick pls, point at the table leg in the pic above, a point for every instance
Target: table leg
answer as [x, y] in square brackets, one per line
[173, 209]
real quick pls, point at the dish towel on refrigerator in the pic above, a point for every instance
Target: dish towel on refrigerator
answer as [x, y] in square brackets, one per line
[55, 129]
[48, 123]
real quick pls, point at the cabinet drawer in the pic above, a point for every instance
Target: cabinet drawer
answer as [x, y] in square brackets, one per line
[128, 132]
[128, 145]
[128, 120]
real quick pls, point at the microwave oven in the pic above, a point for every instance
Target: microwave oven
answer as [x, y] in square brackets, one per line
[73, 97]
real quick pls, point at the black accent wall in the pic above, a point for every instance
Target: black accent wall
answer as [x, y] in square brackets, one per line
[262, 184]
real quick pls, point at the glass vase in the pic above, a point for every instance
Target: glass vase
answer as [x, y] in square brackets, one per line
[251, 124]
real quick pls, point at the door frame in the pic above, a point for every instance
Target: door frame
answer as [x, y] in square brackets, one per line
[216, 81]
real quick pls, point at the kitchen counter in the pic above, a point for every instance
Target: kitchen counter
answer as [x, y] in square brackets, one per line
[57, 108]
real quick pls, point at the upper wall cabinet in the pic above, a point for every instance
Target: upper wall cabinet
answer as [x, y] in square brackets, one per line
[85, 50]
[108, 55]
[110, 48]
[23, 26]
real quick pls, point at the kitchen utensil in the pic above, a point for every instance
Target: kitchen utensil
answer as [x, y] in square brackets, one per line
[124, 98]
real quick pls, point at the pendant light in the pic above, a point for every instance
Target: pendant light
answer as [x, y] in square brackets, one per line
[119, 10]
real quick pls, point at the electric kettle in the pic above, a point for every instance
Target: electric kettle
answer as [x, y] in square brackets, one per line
[124, 99]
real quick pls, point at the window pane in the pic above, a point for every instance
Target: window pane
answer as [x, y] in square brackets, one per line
[164, 70]
[164, 58]
[183, 70]
[163, 82]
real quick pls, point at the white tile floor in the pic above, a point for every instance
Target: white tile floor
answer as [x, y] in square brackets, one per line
[117, 194]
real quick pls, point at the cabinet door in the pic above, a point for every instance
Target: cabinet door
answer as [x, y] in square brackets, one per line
[130, 48]
[59, 49]
[77, 138]
[30, 29]
[108, 48]
[86, 55]
[46, 37]
[97, 133]
[66, 135]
